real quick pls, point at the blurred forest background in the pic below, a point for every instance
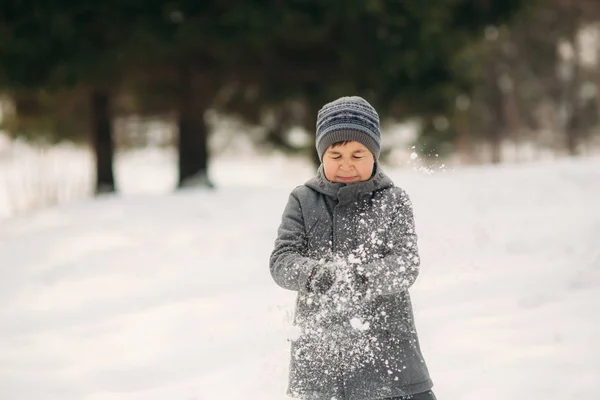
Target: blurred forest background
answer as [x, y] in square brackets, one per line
[463, 81]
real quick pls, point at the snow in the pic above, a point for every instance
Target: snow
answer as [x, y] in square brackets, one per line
[160, 295]
[358, 324]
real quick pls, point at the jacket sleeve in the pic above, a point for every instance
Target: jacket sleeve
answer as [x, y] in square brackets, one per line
[290, 267]
[398, 270]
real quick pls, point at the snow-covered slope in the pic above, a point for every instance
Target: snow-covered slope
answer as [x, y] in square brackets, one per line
[169, 296]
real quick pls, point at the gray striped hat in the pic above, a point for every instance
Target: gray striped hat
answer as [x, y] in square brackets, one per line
[348, 118]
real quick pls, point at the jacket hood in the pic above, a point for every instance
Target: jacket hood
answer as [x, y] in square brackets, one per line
[347, 192]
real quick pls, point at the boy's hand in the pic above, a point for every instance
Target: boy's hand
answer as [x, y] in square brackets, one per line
[358, 285]
[350, 280]
[321, 280]
[359, 281]
[340, 276]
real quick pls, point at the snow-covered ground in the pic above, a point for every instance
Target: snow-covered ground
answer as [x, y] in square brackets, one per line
[161, 295]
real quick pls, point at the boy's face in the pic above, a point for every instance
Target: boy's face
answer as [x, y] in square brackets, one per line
[348, 163]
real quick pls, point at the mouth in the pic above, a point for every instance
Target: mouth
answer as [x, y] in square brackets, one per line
[347, 179]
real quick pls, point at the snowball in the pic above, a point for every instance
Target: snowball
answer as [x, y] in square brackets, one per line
[357, 324]
[352, 259]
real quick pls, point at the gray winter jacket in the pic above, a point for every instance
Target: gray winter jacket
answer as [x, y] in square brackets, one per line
[352, 349]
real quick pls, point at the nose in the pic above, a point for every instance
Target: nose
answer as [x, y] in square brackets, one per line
[346, 165]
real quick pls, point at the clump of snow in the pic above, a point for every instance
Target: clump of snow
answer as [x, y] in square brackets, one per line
[359, 325]
[425, 166]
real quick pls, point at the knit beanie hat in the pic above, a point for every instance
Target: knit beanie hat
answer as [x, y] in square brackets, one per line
[348, 118]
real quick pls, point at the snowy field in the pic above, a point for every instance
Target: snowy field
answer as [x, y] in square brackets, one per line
[155, 295]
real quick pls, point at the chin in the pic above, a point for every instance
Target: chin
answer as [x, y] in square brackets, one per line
[348, 180]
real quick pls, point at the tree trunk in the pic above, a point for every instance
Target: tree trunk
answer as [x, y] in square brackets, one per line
[572, 133]
[597, 79]
[573, 123]
[193, 135]
[102, 141]
[573, 85]
[512, 117]
[463, 136]
[275, 132]
[309, 123]
[496, 122]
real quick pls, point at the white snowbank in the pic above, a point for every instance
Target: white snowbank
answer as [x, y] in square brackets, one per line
[168, 296]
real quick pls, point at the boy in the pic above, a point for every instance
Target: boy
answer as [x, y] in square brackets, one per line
[347, 245]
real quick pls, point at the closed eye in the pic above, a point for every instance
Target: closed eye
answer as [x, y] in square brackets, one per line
[339, 157]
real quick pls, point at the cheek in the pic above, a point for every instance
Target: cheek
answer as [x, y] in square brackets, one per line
[329, 169]
[366, 170]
